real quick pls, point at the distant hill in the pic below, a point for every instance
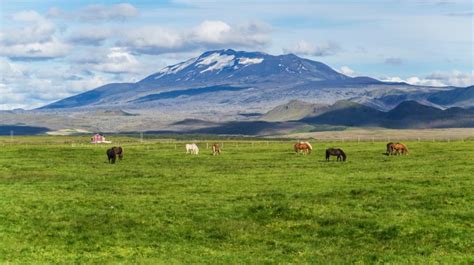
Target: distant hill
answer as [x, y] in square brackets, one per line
[112, 112]
[408, 114]
[294, 110]
[462, 97]
[385, 99]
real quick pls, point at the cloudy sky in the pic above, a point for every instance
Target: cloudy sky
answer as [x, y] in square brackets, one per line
[52, 49]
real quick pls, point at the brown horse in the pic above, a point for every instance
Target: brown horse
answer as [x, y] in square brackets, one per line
[341, 156]
[400, 149]
[216, 149]
[390, 149]
[305, 147]
[113, 152]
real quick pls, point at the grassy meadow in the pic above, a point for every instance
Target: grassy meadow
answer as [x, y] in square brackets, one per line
[61, 202]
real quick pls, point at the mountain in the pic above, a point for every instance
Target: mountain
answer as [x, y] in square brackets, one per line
[227, 87]
[233, 79]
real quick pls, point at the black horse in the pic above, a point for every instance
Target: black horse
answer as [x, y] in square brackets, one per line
[113, 152]
[341, 156]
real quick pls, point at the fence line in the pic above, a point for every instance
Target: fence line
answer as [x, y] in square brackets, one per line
[9, 140]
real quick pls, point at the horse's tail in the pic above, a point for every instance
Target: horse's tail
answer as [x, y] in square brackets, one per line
[343, 155]
[296, 147]
[327, 154]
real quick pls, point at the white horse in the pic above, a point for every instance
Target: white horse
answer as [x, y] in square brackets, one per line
[192, 149]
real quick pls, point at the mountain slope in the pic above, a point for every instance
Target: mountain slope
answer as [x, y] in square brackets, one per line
[293, 110]
[349, 114]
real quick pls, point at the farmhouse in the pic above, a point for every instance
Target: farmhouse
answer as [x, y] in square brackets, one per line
[99, 139]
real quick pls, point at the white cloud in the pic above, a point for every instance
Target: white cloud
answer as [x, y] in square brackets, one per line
[97, 13]
[206, 35]
[452, 78]
[347, 71]
[113, 12]
[36, 50]
[305, 48]
[34, 28]
[27, 16]
[118, 60]
[33, 39]
[24, 86]
[218, 32]
[393, 61]
[94, 36]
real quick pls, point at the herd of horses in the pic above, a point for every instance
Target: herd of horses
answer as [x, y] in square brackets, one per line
[396, 149]
[306, 148]
[299, 147]
[113, 153]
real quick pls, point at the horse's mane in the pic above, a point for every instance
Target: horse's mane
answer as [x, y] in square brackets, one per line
[309, 145]
[343, 154]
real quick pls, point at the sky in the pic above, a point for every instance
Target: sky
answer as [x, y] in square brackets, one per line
[53, 49]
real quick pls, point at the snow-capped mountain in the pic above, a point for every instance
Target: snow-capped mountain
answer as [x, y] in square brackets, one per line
[238, 80]
[242, 67]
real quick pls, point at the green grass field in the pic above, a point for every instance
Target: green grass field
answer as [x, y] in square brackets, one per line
[61, 202]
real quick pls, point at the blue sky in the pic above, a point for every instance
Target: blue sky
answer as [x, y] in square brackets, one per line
[53, 49]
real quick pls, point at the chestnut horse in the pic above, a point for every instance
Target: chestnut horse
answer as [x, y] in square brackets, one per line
[216, 149]
[400, 149]
[305, 147]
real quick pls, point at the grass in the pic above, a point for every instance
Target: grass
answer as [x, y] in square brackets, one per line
[62, 203]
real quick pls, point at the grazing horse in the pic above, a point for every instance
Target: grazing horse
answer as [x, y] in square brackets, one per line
[192, 149]
[400, 149]
[305, 147]
[113, 152]
[216, 149]
[390, 149]
[341, 156]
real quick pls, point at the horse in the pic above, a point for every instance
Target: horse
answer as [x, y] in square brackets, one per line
[341, 156]
[400, 149]
[113, 152]
[305, 147]
[390, 149]
[192, 149]
[216, 149]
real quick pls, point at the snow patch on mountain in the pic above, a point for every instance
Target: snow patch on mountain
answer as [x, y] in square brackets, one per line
[248, 61]
[216, 61]
[175, 68]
